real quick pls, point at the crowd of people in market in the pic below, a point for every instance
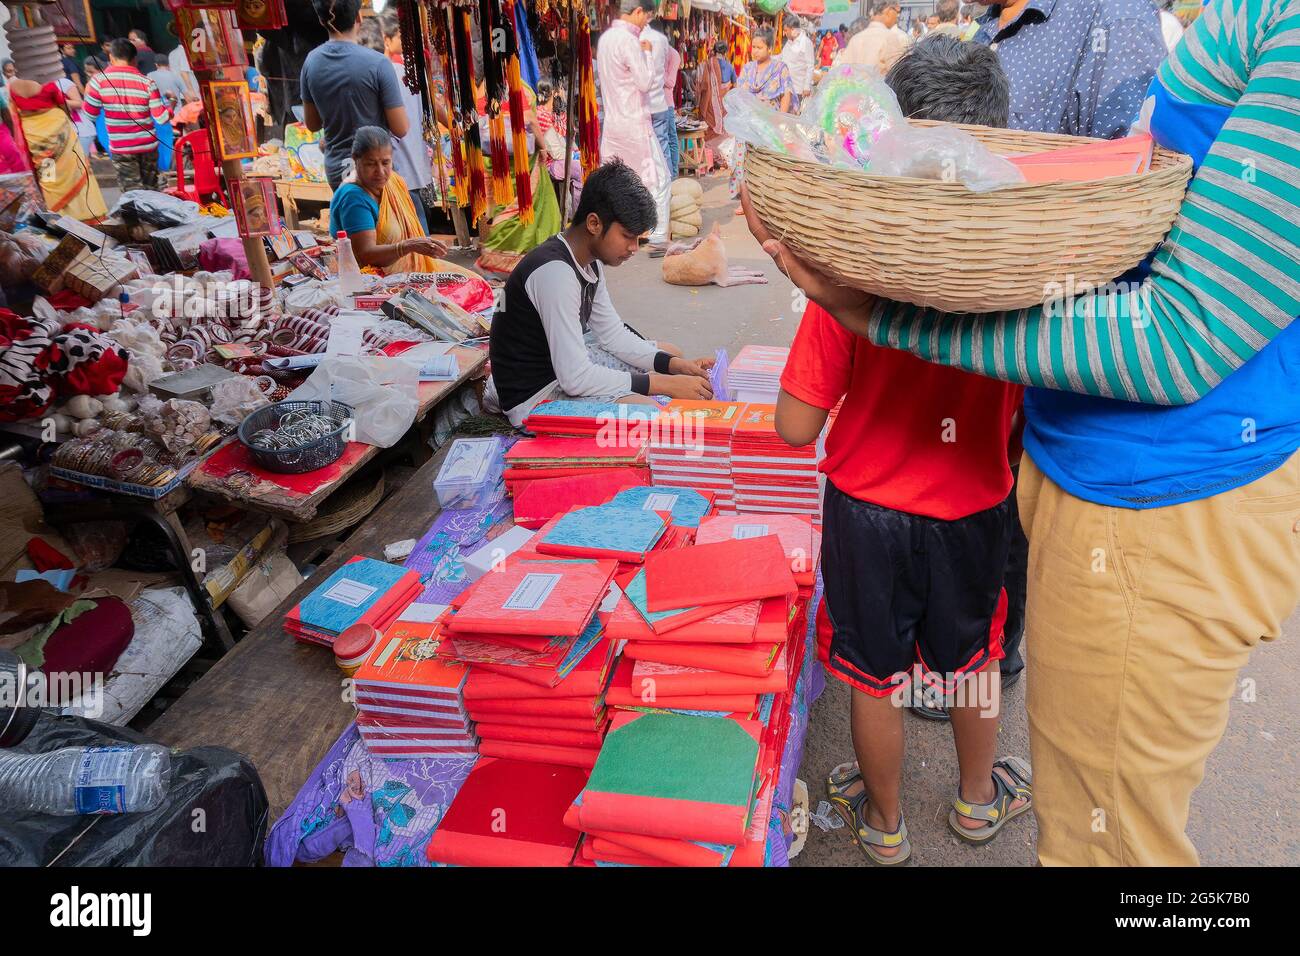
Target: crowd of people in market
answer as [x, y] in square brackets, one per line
[1118, 517]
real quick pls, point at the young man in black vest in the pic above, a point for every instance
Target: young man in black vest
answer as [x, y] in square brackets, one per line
[556, 333]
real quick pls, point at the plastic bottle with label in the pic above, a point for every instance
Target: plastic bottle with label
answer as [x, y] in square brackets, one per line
[350, 280]
[124, 778]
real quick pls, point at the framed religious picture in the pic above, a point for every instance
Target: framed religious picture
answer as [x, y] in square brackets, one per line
[230, 111]
[254, 207]
[261, 14]
[211, 37]
[71, 21]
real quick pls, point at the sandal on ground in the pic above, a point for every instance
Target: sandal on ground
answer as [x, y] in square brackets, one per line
[998, 812]
[853, 811]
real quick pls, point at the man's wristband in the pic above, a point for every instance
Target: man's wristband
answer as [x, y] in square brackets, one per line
[662, 360]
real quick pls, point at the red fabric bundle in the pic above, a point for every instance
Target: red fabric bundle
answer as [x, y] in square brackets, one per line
[542, 753]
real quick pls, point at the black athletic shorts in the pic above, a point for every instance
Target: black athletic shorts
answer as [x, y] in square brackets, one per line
[908, 594]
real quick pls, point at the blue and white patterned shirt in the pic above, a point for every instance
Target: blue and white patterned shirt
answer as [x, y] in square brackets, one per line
[1077, 66]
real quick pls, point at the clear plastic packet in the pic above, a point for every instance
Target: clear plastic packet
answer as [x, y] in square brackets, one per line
[755, 123]
[853, 106]
[945, 153]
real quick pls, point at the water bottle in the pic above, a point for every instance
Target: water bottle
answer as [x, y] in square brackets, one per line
[350, 281]
[119, 779]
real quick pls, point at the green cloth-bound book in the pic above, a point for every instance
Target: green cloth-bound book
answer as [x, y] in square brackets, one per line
[674, 775]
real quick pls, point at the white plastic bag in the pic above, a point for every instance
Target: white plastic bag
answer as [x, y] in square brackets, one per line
[384, 394]
[945, 153]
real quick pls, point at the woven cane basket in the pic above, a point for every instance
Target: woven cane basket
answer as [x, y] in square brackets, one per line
[938, 244]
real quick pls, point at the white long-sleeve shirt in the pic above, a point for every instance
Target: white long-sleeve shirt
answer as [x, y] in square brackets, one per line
[659, 48]
[556, 294]
[797, 55]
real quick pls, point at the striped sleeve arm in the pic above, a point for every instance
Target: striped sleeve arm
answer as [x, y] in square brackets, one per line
[157, 107]
[1227, 278]
[91, 101]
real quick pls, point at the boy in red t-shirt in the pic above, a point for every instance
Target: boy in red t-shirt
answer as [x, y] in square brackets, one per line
[915, 523]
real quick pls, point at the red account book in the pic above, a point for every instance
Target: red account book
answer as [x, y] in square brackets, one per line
[537, 597]
[586, 680]
[529, 798]
[729, 571]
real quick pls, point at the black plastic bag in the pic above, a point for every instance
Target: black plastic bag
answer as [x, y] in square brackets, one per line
[215, 813]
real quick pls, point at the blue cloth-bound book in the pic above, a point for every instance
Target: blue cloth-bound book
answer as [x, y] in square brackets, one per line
[348, 593]
[625, 533]
[687, 505]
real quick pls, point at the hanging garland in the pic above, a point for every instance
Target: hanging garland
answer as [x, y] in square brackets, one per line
[518, 107]
[494, 76]
[588, 117]
[467, 114]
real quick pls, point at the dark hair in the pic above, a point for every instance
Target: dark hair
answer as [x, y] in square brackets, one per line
[631, 6]
[766, 35]
[370, 35]
[946, 10]
[337, 15]
[92, 62]
[615, 193]
[943, 78]
[122, 49]
[792, 22]
[880, 6]
[367, 138]
[858, 25]
[137, 32]
[720, 47]
[389, 25]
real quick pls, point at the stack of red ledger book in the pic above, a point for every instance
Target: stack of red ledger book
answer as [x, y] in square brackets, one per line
[550, 456]
[410, 702]
[584, 418]
[675, 787]
[534, 644]
[769, 475]
[691, 448]
[721, 643]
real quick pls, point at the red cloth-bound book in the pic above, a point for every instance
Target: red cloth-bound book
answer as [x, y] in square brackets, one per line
[732, 571]
[540, 735]
[578, 757]
[536, 597]
[510, 813]
[753, 660]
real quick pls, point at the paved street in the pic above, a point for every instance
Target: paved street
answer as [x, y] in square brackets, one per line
[1237, 816]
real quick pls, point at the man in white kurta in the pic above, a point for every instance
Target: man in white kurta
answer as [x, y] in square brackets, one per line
[623, 62]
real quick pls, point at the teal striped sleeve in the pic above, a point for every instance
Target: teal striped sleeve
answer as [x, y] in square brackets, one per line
[1225, 281]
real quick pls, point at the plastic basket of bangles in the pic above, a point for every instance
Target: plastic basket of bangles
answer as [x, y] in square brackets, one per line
[293, 437]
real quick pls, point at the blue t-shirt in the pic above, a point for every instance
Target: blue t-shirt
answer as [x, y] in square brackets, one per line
[728, 71]
[350, 86]
[1130, 455]
[352, 210]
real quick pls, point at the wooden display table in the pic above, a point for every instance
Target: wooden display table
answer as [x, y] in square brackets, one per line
[279, 702]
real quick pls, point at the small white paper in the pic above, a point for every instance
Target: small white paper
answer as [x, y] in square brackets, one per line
[347, 335]
[531, 593]
[749, 531]
[350, 592]
[659, 501]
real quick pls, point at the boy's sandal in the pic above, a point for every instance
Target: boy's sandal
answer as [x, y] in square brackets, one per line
[998, 812]
[852, 811]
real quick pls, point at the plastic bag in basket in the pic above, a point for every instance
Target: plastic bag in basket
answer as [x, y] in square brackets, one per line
[944, 153]
[752, 121]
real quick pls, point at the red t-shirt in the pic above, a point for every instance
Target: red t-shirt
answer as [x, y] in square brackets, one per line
[912, 436]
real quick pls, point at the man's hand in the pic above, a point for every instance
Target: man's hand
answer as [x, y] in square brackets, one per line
[698, 367]
[849, 306]
[646, 45]
[690, 387]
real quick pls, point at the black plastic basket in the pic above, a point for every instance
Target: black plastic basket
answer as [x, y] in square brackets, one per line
[316, 454]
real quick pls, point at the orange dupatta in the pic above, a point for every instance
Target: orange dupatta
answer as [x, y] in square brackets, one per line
[398, 221]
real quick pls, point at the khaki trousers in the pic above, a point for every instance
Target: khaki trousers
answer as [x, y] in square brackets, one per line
[1137, 624]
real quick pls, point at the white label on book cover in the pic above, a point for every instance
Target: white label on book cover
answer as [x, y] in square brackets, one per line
[532, 592]
[350, 592]
[749, 531]
[659, 502]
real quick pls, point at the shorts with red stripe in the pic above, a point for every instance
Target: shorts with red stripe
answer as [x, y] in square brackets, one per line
[909, 594]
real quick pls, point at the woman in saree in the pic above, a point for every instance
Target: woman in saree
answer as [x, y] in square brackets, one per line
[373, 206]
[766, 78]
[44, 120]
